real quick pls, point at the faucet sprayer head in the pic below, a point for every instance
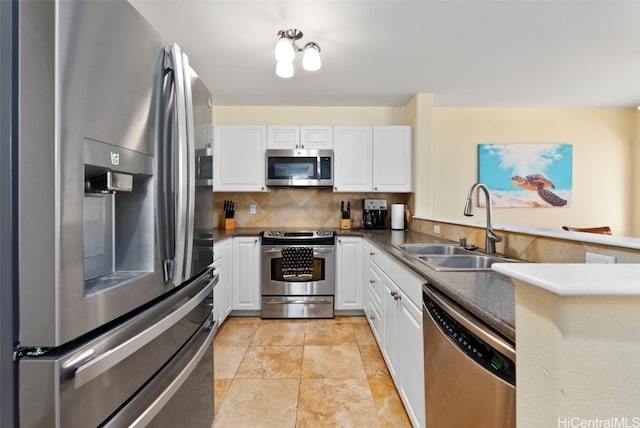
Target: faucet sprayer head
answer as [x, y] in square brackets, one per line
[468, 208]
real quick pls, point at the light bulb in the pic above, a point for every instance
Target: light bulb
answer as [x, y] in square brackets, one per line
[311, 59]
[284, 50]
[284, 69]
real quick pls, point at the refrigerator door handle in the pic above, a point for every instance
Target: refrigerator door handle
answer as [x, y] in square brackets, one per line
[182, 179]
[166, 174]
[190, 168]
[99, 365]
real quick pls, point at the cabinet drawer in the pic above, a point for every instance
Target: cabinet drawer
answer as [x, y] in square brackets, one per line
[374, 282]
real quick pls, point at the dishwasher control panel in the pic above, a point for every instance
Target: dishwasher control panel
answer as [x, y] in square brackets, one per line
[475, 348]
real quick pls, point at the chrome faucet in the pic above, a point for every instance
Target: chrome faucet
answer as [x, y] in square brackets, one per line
[491, 237]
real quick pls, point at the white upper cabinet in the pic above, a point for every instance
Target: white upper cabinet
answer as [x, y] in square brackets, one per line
[392, 158]
[239, 157]
[299, 137]
[283, 137]
[372, 159]
[316, 137]
[353, 158]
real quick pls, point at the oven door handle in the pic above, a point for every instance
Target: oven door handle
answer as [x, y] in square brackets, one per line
[297, 302]
[279, 251]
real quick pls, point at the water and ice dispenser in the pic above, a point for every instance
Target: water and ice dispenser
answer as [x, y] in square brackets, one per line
[118, 215]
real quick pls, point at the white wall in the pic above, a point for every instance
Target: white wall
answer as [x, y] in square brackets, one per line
[602, 149]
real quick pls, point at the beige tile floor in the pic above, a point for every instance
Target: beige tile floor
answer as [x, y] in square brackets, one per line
[302, 373]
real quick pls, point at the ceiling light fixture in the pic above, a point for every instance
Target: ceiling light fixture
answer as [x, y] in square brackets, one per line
[286, 49]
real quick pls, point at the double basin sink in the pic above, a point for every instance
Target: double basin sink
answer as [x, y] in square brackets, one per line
[450, 257]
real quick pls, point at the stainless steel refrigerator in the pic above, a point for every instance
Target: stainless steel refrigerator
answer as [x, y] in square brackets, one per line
[115, 284]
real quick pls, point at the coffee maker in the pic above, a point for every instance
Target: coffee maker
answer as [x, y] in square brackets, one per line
[374, 215]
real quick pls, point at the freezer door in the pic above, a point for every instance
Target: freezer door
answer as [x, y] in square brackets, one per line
[181, 394]
[85, 384]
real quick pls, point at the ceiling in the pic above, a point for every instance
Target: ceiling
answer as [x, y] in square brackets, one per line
[509, 53]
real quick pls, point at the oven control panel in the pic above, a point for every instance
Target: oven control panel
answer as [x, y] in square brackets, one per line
[288, 234]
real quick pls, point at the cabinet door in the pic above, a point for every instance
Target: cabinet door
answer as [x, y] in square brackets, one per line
[316, 137]
[227, 278]
[389, 346]
[410, 359]
[283, 137]
[218, 292]
[392, 158]
[349, 273]
[353, 157]
[239, 158]
[246, 273]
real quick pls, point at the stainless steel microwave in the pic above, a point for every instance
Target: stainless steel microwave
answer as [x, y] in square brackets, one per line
[299, 168]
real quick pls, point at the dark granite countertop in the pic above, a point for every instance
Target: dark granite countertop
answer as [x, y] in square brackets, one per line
[488, 295]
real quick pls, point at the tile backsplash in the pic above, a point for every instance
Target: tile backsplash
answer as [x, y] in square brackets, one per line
[295, 208]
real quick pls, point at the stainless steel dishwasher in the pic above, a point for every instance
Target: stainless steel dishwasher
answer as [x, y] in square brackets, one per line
[469, 370]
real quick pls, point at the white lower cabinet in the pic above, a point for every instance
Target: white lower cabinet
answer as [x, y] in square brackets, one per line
[246, 273]
[223, 265]
[409, 343]
[349, 273]
[373, 299]
[396, 321]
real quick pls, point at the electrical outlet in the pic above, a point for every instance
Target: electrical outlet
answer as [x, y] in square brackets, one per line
[436, 229]
[252, 209]
[598, 258]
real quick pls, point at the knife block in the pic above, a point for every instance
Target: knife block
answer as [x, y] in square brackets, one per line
[345, 223]
[228, 223]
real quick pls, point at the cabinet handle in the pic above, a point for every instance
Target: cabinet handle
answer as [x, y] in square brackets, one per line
[302, 146]
[372, 281]
[255, 240]
[339, 241]
[394, 294]
[371, 253]
[375, 188]
[335, 188]
[397, 297]
[371, 317]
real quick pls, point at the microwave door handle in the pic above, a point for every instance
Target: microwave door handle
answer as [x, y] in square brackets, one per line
[180, 164]
[190, 164]
[166, 175]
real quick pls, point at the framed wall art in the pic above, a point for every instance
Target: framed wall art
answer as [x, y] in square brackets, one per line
[527, 175]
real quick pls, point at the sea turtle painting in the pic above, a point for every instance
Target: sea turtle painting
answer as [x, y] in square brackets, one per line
[539, 183]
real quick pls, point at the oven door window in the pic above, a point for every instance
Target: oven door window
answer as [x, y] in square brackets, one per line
[279, 274]
[293, 167]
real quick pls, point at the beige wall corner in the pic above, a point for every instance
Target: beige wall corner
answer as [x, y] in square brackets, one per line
[419, 113]
[635, 171]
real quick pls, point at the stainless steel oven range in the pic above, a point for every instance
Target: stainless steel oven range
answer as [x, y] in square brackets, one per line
[298, 274]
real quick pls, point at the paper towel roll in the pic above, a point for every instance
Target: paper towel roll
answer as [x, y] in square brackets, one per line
[397, 216]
